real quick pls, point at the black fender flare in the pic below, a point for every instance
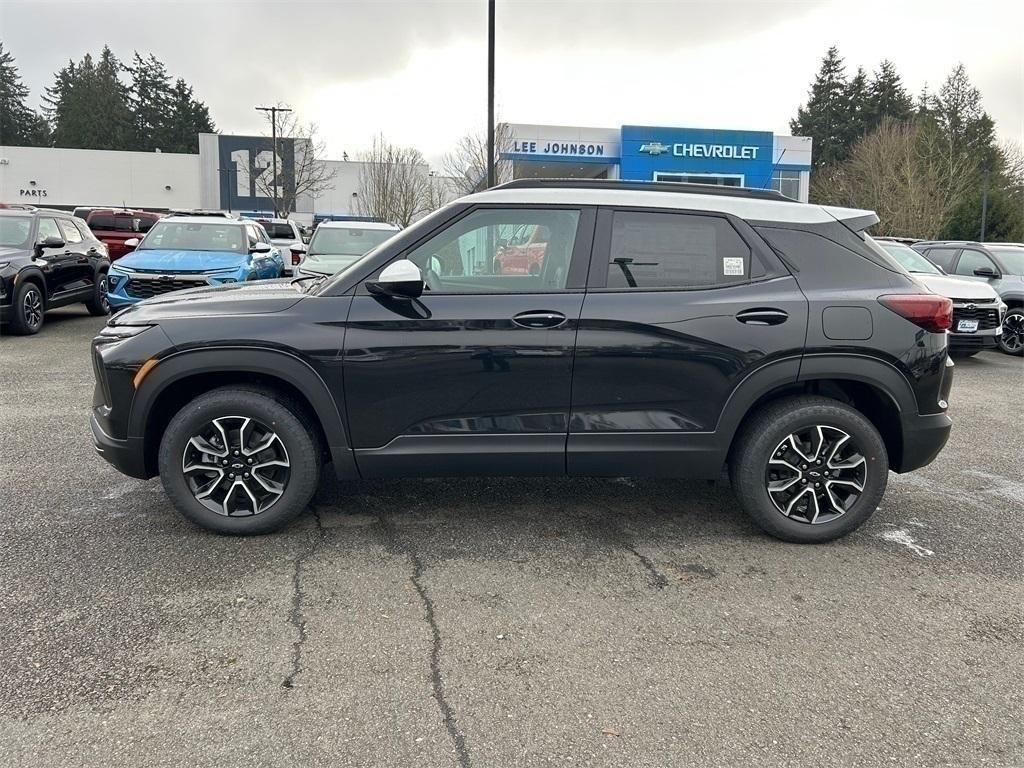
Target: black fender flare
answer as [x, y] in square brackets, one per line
[266, 361]
[37, 274]
[796, 370]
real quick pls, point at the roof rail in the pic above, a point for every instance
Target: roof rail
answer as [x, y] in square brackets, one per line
[647, 186]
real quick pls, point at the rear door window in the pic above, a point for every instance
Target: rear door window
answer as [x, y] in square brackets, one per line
[942, 256]
[675, 250]
[70, 232]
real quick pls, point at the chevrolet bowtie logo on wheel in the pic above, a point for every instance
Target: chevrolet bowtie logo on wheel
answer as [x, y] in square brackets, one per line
[655, 148]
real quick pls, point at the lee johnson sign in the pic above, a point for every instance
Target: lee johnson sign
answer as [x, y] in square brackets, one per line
[572, 148]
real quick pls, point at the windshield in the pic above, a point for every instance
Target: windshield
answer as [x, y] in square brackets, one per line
[1012, 258]
[909, 259]
[347, 241]
[14, 231]
[189, 236]
[113, 223]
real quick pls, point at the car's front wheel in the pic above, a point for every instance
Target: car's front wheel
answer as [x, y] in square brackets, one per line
[28, 309]
[809, 469]
[1011, 340]
[239, 461]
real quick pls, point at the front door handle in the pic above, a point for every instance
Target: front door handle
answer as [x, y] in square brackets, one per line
[762, 316]
[539, 319]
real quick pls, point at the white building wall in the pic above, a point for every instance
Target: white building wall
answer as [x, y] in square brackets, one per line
[70, 177]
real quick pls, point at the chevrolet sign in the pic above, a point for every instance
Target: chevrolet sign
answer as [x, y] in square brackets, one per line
[724, 151]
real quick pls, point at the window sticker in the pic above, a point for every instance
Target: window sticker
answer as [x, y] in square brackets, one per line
[732, 265]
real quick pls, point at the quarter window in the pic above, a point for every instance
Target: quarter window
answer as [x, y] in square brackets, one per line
[71, 233]
[517, 250]
[972, 260]
[671, 250]
[942, 256]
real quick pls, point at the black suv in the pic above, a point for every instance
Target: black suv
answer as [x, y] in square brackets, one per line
[670, 330]
[48, 259]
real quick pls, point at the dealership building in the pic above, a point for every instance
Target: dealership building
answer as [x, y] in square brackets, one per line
[758, 159]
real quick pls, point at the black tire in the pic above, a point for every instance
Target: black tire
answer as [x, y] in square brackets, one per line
[29, 309]
[1011, 340]
[265, 408]
[98, 305]
[765, 433]
[252, 276]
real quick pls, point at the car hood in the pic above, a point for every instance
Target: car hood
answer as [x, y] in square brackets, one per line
[183, 261]
[9, 254]
[957, 287]
[258, 297]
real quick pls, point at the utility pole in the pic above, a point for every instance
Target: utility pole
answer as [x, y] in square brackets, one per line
[273, 132]
[984, 205]
[490, 94]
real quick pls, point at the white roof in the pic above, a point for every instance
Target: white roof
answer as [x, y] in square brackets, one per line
[358, 225]
[757, 209]
[221, 220]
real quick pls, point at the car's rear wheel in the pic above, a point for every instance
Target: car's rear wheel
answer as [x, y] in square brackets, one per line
[809, 469]
[239, 461]
[99, 304]
[1011, 340]
[28, 309]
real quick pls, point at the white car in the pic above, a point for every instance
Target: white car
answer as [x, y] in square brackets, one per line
[336, 245]
[977, 309]
[284, 233]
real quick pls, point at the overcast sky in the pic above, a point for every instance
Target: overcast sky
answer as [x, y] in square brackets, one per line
[416, 71]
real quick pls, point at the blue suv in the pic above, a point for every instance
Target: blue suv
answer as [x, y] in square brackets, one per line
[191, 251]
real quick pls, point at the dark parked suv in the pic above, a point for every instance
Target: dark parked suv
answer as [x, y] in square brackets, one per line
[670, 330]
[48, 259]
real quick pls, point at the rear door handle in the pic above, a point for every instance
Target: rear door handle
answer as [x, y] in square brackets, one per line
[762, 316]
[539, 319]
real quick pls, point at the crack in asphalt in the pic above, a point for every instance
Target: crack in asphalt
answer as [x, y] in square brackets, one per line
[618, 537]
[437, 680]
[295, 614]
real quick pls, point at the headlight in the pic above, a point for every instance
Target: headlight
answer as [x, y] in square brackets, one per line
[4, 264]
[121, 332]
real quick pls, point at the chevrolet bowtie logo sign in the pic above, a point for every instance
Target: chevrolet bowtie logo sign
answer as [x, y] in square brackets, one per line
[655, 148]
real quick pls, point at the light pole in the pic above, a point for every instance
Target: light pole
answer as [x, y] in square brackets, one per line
[490, 94]
[273, 132]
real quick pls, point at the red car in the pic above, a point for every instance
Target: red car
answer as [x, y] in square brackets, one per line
[113, 226]
[524, 252]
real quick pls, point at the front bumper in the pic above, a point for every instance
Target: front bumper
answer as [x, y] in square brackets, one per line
[127, 288]
[126, 456]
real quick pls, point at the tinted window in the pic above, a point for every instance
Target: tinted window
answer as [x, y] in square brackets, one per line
[48, 228]
[70, 232]
[971, 260]
[673, 250]
[105, 222]
[480, 253]
[279, 230]
[146, 223]
[942, 256]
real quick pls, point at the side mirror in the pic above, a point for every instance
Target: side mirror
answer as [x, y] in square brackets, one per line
[132, 243]
[402, 280]
[52, 242]
[988, 272]
[260, 247]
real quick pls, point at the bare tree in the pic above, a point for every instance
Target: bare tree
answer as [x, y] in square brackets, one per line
[901, 172]
[466, 165]
[394, 183]
[308, 175]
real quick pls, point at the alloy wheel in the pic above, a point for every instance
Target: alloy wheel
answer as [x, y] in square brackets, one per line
[104, 300]
[236, 466]
[32, 306]
[1012, 340]
[816, 474]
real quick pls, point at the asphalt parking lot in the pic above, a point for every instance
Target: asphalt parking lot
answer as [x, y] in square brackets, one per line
[502, 623]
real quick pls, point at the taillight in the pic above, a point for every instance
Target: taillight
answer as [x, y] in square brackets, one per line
[296, 258]
[933, 313]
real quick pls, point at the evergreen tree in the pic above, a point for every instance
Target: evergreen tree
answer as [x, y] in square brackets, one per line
[887, 97]
[824, 117]
[19, 125]
[965, 127]
[858, 105]
[87, 104]
[150, 98]
[188, 118]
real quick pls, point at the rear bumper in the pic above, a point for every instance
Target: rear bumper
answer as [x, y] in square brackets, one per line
[924, 437]
[126, 456]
